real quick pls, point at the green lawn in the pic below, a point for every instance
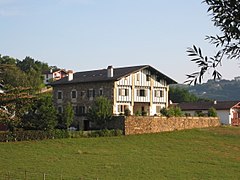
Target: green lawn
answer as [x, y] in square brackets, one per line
[212, 153]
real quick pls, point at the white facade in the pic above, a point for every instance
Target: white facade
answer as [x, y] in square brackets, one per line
[224, 115]
[140, 92]
[54, 75]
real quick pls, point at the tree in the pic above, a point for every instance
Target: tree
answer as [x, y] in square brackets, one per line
[178, 95]
[225, 16]
[11, 76]
[212, 112]
[41, 115]
[101, 112]
[14, 103]
[65, 119]
[33, 69]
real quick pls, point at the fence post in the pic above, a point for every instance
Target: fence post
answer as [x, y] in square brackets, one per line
[25, 175]
[8, 175]
[44, 176]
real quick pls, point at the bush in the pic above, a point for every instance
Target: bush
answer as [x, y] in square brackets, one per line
[32, 135]
[212, 112]
[105, 133]
[127, 112]
[144, 113]
[200, 114]
[172, 112]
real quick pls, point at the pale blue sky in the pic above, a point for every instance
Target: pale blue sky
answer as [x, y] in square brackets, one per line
[92, 34]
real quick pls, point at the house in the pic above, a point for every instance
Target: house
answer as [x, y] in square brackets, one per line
[54, 75]
[227, 111]
[141, 89]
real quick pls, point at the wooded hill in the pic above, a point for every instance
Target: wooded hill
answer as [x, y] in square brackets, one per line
[224, 90]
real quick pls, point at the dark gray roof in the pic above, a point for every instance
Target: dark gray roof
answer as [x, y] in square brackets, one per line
[101, 75]
[218, 105]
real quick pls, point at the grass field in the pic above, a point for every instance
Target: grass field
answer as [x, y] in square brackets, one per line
[212, 153]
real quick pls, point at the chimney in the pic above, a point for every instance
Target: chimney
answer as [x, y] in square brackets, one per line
[109, 71]
[70, 75]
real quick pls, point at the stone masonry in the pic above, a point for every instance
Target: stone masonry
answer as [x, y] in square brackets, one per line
[154, 124]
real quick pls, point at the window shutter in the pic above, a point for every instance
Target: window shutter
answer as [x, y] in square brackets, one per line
[126, 92]
[93, 92]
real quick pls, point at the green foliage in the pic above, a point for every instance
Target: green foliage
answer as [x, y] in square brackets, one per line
[171, 112]
[14, 103]
[105, 133]
[138, 113]
[127, 112]
[144, 113]
[41, 115]
[11, 76]
[66, 118]
[225, 16]
[177, 95]
[200, 114]
[212, 112]
[25, 73]
[101, 112]
[32, 135]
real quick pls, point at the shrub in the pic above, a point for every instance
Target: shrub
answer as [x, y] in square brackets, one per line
[144, 113]
[32, 135]
[105, 133]
[212, 112]
[127, 112]
[138, 113]
[200, 114]
[171, 112]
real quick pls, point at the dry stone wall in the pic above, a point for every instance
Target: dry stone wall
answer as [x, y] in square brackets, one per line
[146, 124]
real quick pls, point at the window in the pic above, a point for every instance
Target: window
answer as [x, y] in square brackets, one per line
[74, 94]
[158, 93]
[91, 93]
[161, 93]
[60, 109]
[123, 92]
[148, 77]
[100, 92]
[138, 77]
[141, 92]
[122, 108]
[59, 95]
[81, 110]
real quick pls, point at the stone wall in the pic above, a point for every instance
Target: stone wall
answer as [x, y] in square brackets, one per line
[149, 124]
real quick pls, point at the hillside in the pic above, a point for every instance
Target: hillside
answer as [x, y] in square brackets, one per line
[216, 90]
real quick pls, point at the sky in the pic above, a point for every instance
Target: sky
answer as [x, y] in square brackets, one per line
[93, 34]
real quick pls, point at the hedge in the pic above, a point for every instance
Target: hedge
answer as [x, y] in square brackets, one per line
[32, 135]
[55, 134]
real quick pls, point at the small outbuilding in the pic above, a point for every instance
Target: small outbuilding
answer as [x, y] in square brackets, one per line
[227, 111]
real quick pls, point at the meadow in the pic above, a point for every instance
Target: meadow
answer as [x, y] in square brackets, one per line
[210, 153]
